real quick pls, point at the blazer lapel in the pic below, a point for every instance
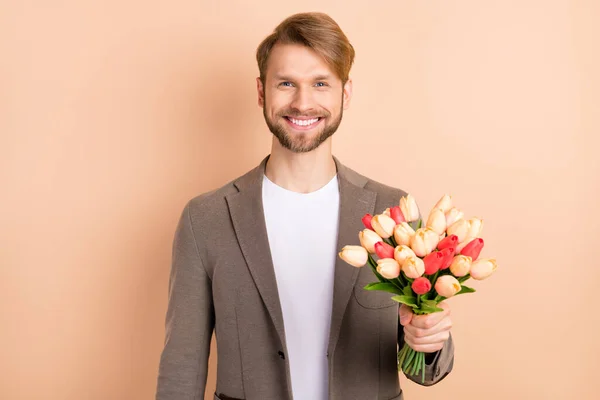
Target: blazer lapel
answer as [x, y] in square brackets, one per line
[355, 202]
[247, 214]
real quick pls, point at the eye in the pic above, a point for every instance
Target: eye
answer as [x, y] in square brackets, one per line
[287, 84]
[321, 84]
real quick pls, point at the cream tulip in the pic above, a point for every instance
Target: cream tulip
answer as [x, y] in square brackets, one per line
[383, 225]
[475, 227]
[483, 268]
[387, 212]
[437, 221]
[424, 241]
[447, 286]
[445, 203]
[402, 252]
[356, 256]
[408, 206]
[460, 228]
[413, 267]
[453, 215]
[368, 238]
[388, 268]
[402, 233]
[461, 265]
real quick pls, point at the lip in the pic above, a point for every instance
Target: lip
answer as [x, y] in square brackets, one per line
[303, 128]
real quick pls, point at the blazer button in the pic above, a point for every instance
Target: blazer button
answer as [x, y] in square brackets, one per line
[281, 355]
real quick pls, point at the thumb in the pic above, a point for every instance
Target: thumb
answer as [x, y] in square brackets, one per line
[405, 314]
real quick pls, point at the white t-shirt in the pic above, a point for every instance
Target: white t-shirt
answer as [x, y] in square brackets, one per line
[302, 229]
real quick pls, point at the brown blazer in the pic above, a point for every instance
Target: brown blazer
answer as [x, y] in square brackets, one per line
[222, 279]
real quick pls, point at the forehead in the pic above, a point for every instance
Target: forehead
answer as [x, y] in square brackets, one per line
[297, 61]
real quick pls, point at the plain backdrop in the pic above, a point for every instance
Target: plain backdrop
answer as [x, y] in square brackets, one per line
[114, 113]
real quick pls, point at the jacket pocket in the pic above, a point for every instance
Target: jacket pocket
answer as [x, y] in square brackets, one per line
[221, 396]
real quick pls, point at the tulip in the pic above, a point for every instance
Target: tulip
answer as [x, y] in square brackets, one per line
[356, 256]
[445, 203]
[460, 265]
[475, 227]
[409, 208]
[396, 215]
[473, 248]
[433, 262]
[424, 241]
[483, 268]
[366, 220]
[460, 228]
[437, 221]
[421, 285]
[383, 225]
[387, 212]
[453, 215]
[463, 244]
[413, 267]
[447, 286]
[402, 233]
[449, 241]
[384, 250]
[402, 252]
[368, 238]
[448, 253]
[388, 268]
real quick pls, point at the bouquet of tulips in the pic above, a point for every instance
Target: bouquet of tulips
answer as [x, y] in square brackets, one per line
[421, 266]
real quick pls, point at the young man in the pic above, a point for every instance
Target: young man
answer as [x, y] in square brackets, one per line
[256, 260]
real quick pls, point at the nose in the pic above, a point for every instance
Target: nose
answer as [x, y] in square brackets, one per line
[302, 101]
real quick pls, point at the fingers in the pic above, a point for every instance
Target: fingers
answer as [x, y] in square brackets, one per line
[428, 321]
[406, 314]
[424, 328]
[430, 344]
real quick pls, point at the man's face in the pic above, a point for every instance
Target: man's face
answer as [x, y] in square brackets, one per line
[302, 98]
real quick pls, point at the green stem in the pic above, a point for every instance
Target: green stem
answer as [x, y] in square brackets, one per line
[423, 369]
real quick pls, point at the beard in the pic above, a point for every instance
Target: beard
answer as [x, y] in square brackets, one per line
[299, 143]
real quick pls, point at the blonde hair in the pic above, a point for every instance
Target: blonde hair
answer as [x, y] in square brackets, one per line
[315, 30]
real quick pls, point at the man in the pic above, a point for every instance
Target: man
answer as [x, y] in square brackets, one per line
[256, 260]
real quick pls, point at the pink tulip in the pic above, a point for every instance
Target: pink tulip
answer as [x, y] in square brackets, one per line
[448, 241]
[366, 220]
[384, 250]
[433, 262]
[447, 286]
[396, 215]
[473, 248]
[448, 253]
[421, 285]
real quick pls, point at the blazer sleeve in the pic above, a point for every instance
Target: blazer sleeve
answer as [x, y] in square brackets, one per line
[189, 321]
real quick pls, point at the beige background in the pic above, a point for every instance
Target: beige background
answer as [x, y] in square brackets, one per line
[114, 113]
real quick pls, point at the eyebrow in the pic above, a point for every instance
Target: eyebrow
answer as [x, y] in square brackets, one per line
[322, 77]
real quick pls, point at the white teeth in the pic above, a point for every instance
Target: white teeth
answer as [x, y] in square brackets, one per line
[305, 122]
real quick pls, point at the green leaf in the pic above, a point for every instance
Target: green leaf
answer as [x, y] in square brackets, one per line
[407, 291]
[408, 300]
[465, 289]
[430, 306]
[383, 286]
[463, 278]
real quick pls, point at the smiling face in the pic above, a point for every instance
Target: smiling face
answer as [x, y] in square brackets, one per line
[302, 98]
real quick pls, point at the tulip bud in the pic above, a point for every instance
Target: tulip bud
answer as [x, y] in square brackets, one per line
[383, 225]
[448, 253]
[402, 252]
[475, 227]
[356, 256]
[409, 208]
[449, 241]
[473, 248]
[421, 285]
[424, 241]
[413, 267]
[483, 268]
[447, 286]
[433, 262]
[437, 221]
[460, 228]
[368, 238]
[453, 215]
[462, 245]
[384, 250]
[366, 220]
[402, 233]
[460, 265]
[445, 203]
[388, 268]
[387, 212]
[396, 215]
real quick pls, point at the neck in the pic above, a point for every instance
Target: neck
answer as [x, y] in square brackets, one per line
[301, 172]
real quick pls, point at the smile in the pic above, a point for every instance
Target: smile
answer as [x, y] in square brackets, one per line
[303, 123]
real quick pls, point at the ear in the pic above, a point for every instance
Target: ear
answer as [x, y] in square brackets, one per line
[260, 89]
[347, 95]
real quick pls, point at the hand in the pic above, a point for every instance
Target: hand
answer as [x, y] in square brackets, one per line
[426, 333]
